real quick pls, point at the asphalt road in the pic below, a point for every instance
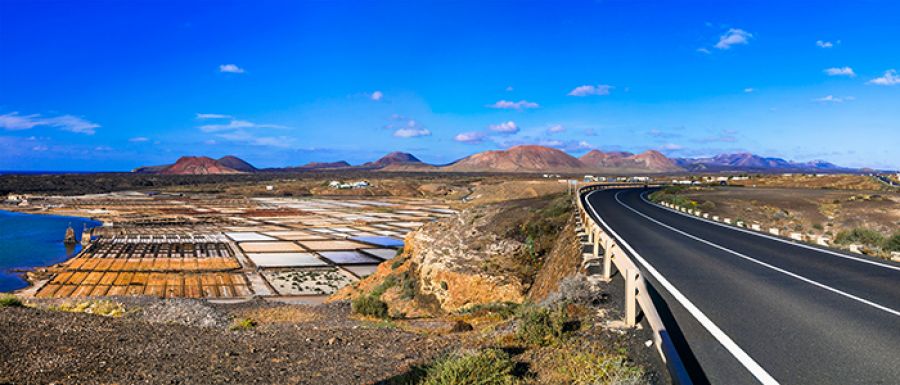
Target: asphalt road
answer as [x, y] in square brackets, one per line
[752, 309]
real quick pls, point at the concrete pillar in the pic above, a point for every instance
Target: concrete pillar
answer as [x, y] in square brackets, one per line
[596, 245]
[630, 298]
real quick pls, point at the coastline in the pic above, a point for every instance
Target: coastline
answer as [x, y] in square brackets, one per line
[31, 272]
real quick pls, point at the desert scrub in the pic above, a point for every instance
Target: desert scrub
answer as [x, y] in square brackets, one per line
[9, 300]
[670, 195]
[369, 306]
[577, 367]
[892, 243]
[541, 326]
[859, 235]
[486, 367]
[99, 307]
[243, 324]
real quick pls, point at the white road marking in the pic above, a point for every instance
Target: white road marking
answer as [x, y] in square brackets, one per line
[776, 268]
[757, 371]
[834, 253]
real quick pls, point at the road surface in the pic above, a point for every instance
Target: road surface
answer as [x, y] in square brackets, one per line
[750, 309]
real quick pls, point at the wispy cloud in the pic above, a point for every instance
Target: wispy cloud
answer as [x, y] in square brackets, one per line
[826, 44]
[510, 105]
[139, 139]
[657, 133]
[704, 50]
[508, 127]
[213, 116]
[13, 121]
[231, 68]
[376, 96]
[588, 90]
[470, 137]
[555, 129]
[734, 36]
[235, 124]
[749, 90]
[509, 88]
[833, 99]
[413, 129]
[889, 78]
[840, 71]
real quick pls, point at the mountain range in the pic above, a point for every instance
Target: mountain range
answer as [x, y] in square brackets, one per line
[518, 159]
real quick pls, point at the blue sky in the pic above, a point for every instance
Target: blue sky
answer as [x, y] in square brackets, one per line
[112, 85]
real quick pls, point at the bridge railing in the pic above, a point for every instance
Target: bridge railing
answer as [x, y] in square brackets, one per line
[637, 297]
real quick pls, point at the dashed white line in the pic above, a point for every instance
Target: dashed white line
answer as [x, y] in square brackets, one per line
[757, 371]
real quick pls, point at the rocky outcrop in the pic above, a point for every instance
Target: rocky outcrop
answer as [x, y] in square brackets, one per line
[563, 261]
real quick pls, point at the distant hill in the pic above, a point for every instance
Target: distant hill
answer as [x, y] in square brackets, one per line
[197, 165]
[526, 158]
[647, 161]
[751, 162]
[393, 159]
[236, 163]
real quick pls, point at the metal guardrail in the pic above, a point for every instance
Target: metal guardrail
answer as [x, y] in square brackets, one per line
[636, 294]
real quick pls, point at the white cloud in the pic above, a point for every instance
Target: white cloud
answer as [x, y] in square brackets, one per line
[139, 139]
[510, 105]
[412, 130]
[556, 128]
[833, 99]
[376, 96]
[213, 116]
[703, 50]
[231, 68]
[840, 71]
[235, 124]
[749, 90]
[671, 147]
[470, 137]
[509, 127]
[826, 44]
[734, 36]
[587, 90]
[509, 88]
[889, 78]
[14, 121]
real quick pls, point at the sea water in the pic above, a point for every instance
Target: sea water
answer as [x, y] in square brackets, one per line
[32, 240]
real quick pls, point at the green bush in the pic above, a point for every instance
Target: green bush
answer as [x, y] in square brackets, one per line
[586, 368]
[243, 324]
[487, 367]
[9, 300]
[542, 326]
[892, 243]
[859, 235]
[370, 306]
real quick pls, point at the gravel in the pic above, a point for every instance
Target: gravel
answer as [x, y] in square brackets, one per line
[41, 346]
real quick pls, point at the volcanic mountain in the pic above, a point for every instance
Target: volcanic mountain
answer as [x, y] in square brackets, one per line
[527, 158]
[394, 159]
[197, 165]
[236, 163]
[750, 162]
[647, 161]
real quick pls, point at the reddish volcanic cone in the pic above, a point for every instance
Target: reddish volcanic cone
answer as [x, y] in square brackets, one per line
[527, 158]
[197, 165]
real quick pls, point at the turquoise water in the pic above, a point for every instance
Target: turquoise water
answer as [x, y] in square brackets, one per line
[28, 240]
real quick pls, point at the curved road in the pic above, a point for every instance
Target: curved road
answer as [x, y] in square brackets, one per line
[756, 309]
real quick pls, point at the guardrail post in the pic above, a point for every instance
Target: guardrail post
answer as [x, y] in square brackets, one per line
[596, 243]
[630, 300]
[607, 259]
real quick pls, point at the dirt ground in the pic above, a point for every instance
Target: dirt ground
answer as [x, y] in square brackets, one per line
[810, 211]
